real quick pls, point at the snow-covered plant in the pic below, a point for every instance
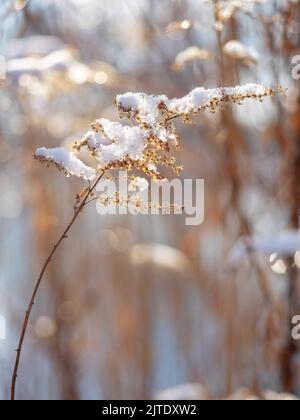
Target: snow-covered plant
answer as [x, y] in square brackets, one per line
[226, 9]
[148, 138]
[144, 143]
[238, 51]
[190, 55]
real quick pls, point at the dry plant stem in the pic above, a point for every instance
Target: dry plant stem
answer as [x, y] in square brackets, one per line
[77, 212]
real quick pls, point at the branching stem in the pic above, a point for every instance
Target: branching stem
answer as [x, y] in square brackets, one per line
[64, 235]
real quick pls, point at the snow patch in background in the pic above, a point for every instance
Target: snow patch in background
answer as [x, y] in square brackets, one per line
[2, 328]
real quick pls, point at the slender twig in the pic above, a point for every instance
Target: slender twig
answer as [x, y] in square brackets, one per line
[64, 235]
[92, 200]
[171, 118]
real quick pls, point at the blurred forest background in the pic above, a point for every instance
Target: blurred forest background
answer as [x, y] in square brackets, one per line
[132, 305]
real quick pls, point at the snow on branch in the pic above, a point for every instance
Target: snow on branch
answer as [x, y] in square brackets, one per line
[149, 107]
[145, 143]
[112, 141]
[65, 161]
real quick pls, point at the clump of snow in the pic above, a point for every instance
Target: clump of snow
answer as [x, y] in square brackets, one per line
[126, 141]
[248, 90]
[147, 106]
[129, 101]
[238, 51]
[201, 98]
[195, 100]
[111, 141]
[66, 161]
[149, 109]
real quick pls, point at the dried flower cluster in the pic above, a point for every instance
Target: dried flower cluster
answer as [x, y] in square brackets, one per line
[238, 51]
[147, 143]
[226, 9]
[190, 55]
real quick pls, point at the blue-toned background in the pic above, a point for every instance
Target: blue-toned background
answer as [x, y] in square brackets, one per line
[135, 305]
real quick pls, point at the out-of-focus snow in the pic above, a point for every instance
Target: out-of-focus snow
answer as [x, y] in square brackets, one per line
[160, 255]
[189, 391]
[35, 45]
[238, 51]
[57, 61]
[2, 327]
[285, 244]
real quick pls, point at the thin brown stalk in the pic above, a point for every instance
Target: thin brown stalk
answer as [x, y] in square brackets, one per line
[64, 235]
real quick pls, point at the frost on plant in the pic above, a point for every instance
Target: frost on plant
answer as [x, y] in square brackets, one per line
[146, 141]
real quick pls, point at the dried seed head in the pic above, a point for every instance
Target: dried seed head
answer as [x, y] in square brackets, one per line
[146, 144]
